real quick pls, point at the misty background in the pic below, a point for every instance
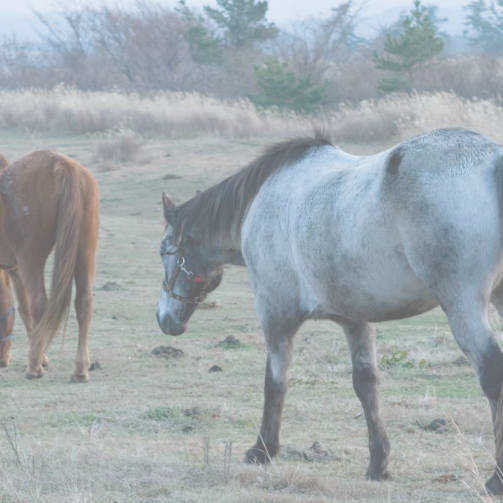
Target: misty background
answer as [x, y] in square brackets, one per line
[293, 55]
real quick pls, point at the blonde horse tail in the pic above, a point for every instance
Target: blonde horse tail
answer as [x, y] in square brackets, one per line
[67, 236]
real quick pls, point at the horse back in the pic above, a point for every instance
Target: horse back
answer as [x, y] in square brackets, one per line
[30, 190]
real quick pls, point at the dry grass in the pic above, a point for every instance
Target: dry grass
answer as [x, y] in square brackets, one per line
[176, 115]
[121, 146]
[132, 434]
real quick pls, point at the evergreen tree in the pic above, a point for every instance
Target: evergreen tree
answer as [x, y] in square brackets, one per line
[242, 21]
[417, 41]
[205, 45]
[281, 87]
[485, 23]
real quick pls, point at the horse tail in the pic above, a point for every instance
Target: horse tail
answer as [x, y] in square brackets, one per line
[69, 217]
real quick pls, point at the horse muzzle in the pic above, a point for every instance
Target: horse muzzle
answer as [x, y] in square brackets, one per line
[170, 327]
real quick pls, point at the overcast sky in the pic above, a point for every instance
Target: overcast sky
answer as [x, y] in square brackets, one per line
[15, 15]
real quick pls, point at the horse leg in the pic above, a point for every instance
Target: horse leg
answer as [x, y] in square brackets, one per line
[84, 276]
[31, 288]
[470, 326]
[24, 308]
[279, 342]
[23, 301]
[361, 341]
[7, 319]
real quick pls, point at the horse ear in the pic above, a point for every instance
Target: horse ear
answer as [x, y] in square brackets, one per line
[169, 209]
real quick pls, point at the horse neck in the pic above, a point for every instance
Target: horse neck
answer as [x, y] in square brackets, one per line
[224, 249]
[221, 239]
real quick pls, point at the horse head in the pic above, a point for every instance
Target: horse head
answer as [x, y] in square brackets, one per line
[189, 272]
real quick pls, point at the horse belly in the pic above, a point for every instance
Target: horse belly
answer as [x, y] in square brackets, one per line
[381, 289]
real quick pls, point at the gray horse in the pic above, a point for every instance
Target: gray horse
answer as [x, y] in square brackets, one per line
[356, 240]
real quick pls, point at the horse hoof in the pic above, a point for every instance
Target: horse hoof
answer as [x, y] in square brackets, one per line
[494, 485]
[79, 378]
[33, 375]
[256, 456]
[378, 475]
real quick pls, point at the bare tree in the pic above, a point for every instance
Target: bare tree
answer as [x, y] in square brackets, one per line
[315, 43]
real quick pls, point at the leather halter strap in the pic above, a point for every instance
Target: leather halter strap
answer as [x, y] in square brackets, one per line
[4, 318]
[180, 267]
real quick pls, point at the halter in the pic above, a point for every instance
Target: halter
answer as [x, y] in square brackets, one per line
[180, 267]
[3, 318]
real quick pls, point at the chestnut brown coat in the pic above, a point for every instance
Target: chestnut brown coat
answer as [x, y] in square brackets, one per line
[47, 202]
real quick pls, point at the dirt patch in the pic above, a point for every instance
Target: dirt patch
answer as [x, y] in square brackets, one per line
[445, 478]
[111, 286]
[229, 342]
[208, 305]
[315, 453]
[438, 425]
[167, 352]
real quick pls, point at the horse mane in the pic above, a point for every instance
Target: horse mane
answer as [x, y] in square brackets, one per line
[214, 213]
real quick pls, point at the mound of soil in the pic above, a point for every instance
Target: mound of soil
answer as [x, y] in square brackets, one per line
[316, 453]
[167, 352]
[230, 342]
[438, 425]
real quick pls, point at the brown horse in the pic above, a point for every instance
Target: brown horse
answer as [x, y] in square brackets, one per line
[47, 201]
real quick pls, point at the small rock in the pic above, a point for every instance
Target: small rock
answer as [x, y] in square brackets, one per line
[192, 412]
[170, 176]
[111, 286]
[187, 429]
[229, 342]
[95, 366]
[115, 317]
[167, 352]
[215, 368]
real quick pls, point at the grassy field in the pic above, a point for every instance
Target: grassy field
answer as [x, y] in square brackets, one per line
[153, 429]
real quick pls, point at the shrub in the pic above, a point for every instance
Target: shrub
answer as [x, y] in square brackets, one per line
[123, 146]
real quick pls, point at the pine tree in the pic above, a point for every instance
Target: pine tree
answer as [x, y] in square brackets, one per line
[242, 21]
[485, 22]
[281, 87]
[205, 45]
[418, 40]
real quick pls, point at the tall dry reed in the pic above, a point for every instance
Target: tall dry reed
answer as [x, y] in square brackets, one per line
[69, 111]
